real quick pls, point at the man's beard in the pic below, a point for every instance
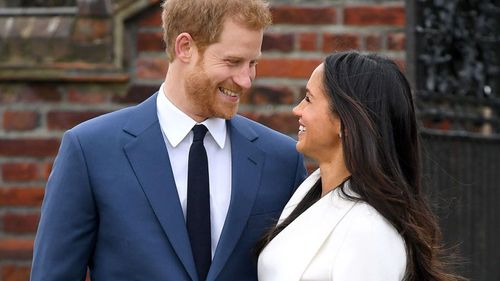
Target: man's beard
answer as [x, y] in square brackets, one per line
[202, 93]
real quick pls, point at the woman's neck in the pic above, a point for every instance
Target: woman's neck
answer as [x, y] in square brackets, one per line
[332, 175]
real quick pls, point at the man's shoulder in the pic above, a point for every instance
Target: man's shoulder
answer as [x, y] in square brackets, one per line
[104, 123]
[114, 121]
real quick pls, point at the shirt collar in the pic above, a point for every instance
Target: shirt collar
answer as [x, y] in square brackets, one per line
[176, 124]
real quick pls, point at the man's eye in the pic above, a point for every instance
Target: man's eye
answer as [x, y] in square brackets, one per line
[232, 61]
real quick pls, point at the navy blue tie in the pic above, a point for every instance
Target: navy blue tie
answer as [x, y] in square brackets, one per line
[198, 203]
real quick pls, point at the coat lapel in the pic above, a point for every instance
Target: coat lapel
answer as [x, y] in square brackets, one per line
[149, 159]
[247, 163]
[308, 232]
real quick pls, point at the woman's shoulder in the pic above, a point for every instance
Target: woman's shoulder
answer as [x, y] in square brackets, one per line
[372, 234]
[371, 242]
[364, 219]
[367, 221]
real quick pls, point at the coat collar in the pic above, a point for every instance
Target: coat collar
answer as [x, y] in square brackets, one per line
[306, 233]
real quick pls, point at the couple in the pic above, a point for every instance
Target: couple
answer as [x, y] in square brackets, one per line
[118, 199]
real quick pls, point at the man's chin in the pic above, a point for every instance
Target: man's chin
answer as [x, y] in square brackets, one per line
[226, 114]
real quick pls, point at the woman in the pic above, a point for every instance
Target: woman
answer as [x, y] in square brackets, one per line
[362, 214]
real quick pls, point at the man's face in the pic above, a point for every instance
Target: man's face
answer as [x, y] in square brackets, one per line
[223, 72]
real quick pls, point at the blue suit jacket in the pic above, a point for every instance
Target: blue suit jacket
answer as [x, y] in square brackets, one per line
[111, 203]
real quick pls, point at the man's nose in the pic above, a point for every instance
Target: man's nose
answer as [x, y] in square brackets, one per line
[244, 78]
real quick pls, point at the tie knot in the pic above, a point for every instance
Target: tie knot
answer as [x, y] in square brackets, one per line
[199, 132]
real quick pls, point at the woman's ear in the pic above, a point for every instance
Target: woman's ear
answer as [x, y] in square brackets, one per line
[184, 47]
[342, 131]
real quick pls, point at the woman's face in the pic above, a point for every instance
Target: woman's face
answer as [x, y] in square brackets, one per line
[319, 129]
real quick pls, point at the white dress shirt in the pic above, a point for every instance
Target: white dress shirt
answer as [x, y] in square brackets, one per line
[176, 128]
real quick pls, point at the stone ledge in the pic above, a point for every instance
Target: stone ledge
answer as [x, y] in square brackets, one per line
[69, 75]
[44, 41]
[84, 46]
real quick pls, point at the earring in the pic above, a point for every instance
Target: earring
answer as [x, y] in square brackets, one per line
[340, 135]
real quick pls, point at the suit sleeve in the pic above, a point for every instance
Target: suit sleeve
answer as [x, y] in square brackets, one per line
[66, 233]
[372, 250]
[300, 173]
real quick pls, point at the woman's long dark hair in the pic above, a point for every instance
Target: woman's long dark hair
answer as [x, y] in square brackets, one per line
[382, 152]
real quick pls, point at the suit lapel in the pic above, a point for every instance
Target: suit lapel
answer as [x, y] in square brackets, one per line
[307, 233]
[247, 164]
[149, 159]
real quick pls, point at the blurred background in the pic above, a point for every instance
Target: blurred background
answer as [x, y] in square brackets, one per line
[63, 62]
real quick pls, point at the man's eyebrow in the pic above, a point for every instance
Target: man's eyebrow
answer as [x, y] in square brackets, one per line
[231, 57]
[236, 57]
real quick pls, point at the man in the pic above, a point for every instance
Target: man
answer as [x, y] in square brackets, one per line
[119, 200]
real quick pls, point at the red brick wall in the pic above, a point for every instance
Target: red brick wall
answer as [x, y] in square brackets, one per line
[33, 115]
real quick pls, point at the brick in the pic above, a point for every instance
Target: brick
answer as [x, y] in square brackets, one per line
[303, 15]
[136, 94]
[396, 41]
[86, 97]
[20, 171]
[278, 42]
[289, 68]
[340, 42]
[40, 92]
[46, 169]
[63, 120]
[151, 18]
[375, 15]
[20, 120]
[20, 223]
[150, 42]
[373, 42]
[21, 196]
[29, 147]
[11, 272]
[308, 41]
[284, 122]
[17, 249]
[249, 114]
[151, 68]
[268, 95]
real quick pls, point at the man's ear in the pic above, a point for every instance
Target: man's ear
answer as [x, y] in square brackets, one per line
[184, 47]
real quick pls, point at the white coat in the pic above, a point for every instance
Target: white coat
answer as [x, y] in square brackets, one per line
[335, 239]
